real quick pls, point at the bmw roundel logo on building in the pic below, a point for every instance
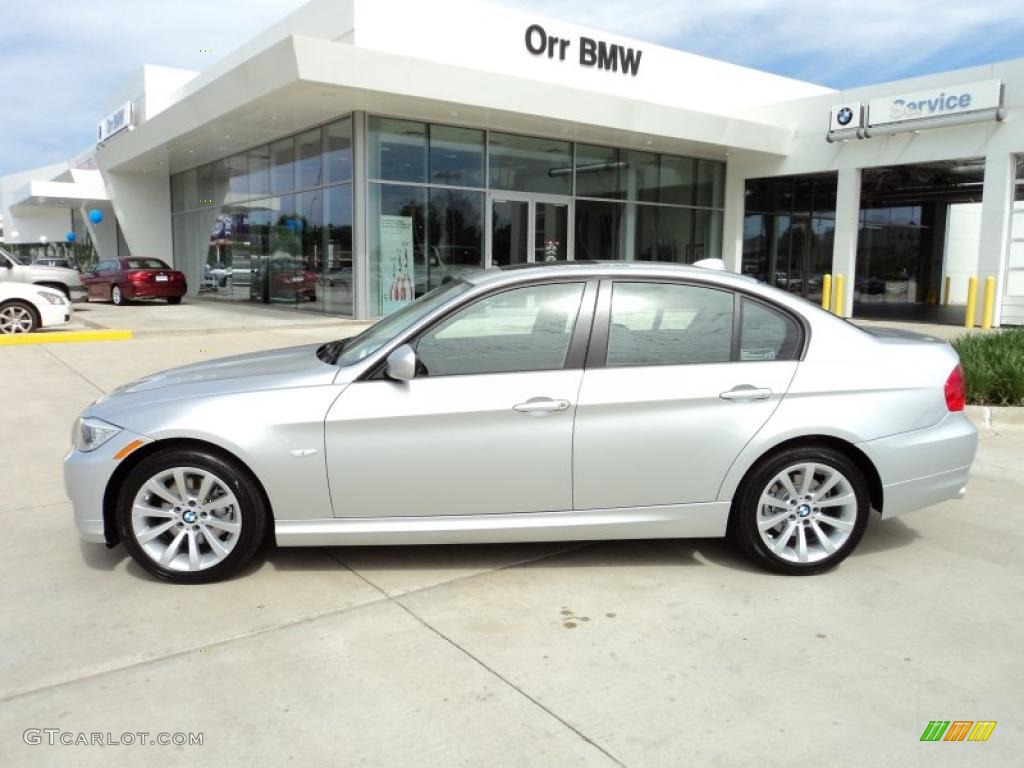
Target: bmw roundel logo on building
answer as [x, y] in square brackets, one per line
[844, 116]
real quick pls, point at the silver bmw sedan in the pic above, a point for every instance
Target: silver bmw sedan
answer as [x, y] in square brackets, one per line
[555, 402]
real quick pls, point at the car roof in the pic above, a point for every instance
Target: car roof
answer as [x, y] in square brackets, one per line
[612, 269]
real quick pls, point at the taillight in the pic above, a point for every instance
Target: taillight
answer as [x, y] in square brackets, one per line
[956, 395]
[139, 277]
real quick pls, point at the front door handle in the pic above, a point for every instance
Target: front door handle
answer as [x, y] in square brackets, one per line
[541, 405]
[746, 392]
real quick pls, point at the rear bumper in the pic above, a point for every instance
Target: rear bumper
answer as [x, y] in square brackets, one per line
[926, 466]
[154, 290]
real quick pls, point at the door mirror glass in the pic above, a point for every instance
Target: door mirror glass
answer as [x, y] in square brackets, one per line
[401, 364]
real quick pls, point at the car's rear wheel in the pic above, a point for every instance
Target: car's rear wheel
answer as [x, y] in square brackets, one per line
[117, 296]
[18, 317]
[190, 516]
[174, 299]
[801, 510]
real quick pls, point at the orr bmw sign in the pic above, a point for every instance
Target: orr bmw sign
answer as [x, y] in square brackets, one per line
[610, 57]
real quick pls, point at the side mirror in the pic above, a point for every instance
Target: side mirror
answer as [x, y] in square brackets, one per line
[401, 364]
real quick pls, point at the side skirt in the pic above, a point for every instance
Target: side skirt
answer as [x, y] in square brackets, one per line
[667, 522]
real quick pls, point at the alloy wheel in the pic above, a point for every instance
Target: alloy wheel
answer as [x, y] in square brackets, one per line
[807, 512]
[186, 519]
[16, 319]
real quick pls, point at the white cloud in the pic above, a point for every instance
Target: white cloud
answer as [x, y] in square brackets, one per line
[60, 59]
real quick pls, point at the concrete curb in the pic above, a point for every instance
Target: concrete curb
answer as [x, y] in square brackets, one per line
[995, 416]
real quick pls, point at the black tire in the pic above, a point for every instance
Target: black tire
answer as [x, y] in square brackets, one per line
[746, 508]
[117, 296]
[251, 510]
[12, 306]
[174, 299]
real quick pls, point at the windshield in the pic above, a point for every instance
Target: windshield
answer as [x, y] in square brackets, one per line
[351, 351]
[17, 259]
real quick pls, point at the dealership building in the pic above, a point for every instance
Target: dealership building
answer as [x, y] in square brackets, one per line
[360, 152]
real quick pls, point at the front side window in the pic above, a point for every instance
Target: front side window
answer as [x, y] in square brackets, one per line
[524, 329]
[767, 334]
[667, 324]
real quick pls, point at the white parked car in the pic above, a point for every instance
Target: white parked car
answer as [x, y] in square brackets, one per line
[15, 268]
[26, 308]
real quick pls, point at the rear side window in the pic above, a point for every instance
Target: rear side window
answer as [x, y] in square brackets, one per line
[667, 324]
[767, 334]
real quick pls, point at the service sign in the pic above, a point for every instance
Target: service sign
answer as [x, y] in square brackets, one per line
[936, 103]
[118, 120]
[846, 117]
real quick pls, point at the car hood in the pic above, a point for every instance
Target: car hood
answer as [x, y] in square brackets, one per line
[275, 369]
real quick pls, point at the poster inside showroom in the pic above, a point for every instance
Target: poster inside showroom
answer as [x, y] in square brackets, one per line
[396, 263]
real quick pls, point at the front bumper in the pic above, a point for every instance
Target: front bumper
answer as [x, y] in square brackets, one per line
[86, 477]
[51, 315]
[926, 466]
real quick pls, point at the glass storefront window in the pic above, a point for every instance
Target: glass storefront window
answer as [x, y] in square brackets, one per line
[526, 164]
[338, 277]
[212, 183]
[456, 156]
[259, 171]
[599, 231]
[308, 159]
[396, 150]
[238, 178]
[282, 166]
[455, 237]
[338, 152]
[676, 181]
[619, 174]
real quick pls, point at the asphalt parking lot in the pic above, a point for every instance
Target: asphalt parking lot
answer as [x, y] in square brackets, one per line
[645, 653]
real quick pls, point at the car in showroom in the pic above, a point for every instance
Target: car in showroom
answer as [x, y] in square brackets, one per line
[122, 280]
[17, 268]
[27, 308]
[570, 401]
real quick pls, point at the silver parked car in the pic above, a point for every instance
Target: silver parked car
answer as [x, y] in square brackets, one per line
[555, 402]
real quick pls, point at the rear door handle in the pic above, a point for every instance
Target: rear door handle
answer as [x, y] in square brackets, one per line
[746, 392]
[541, 405]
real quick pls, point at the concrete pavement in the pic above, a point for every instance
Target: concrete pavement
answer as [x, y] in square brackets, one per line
[647, 653]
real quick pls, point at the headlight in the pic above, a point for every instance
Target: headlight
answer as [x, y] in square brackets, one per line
[89, 433]
[53, 298]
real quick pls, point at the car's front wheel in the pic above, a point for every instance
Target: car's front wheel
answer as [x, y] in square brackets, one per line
[17, 317]
[801, 510]
[190, 516]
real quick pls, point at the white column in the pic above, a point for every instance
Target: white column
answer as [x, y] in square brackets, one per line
[996, 207]
[844, 252]
[142, 203]
[732, 220]
[104, 234]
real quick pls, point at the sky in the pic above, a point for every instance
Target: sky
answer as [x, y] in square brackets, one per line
[61, 59]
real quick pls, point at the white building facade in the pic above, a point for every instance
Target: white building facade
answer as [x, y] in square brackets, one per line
[360, 153]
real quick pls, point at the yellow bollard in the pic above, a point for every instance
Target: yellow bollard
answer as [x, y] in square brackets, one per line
[826, 292]
[840, 299]
[972, 302]
[945, 292]
[988, 307]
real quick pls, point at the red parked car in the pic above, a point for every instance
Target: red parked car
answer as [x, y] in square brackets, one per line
[121, 280]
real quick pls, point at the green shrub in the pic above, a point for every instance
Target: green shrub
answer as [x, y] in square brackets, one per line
[993, 366]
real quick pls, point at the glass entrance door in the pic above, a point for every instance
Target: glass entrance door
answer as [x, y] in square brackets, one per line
[529, 228]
